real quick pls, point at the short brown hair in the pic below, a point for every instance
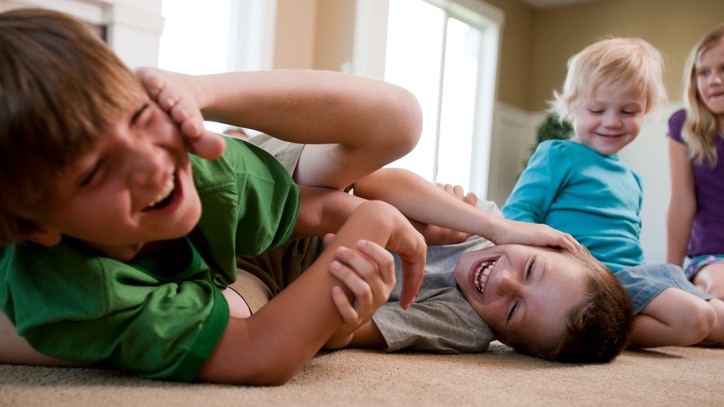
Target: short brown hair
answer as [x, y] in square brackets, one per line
[61, 88]
[598, 327]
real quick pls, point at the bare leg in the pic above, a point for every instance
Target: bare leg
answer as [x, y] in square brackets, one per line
[716, 336]
[710, 279]
[674, 317]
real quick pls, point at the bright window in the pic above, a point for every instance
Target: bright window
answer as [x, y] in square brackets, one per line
[446, 55]
[195, 37]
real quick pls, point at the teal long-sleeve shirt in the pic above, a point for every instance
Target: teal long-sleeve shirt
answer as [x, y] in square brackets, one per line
[595, 198]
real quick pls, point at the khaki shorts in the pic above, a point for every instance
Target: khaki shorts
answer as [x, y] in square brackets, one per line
[285, 152]
[266, 275]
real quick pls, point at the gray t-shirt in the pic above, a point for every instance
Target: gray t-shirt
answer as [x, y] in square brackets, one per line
[440, 320]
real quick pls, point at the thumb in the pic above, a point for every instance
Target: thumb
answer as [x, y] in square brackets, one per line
[208, 145]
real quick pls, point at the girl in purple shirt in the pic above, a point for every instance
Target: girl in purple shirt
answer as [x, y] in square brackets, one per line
[695, 225]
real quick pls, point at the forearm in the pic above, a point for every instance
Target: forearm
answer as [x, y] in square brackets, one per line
[324, 210]
[14, 349]
[309, 106]
[273, 344]
[368, 336]
[682, 203]
[423, 202]
[678, 231]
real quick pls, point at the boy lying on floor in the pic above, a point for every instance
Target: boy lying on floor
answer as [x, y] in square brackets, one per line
[554, 303]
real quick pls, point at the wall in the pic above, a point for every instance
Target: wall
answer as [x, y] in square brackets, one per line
[129, 22]
[294, 43]
[673, 26]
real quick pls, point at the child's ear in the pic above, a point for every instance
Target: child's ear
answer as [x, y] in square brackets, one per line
[43, 237]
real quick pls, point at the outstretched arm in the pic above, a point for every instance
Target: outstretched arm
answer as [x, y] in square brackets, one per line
[418, 199]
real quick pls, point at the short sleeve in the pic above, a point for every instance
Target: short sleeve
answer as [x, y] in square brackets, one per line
[676, 124]
[440, 322]
[101, 312]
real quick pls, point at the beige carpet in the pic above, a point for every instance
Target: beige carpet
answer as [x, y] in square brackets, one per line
[669, 376]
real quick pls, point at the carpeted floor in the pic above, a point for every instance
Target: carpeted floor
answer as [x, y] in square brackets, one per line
[670, 376]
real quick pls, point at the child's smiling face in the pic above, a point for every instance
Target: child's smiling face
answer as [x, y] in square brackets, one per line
[524, 293]
[132, 186]
[611, 119]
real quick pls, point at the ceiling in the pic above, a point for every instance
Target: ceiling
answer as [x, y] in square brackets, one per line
[543, 4]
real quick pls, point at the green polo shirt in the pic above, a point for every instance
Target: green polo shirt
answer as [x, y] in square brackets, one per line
[158, 317]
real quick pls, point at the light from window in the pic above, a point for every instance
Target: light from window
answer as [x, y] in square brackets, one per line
[195, 37]
[435, 56]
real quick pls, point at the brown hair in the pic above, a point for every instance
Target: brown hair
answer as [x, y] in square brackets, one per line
[700, 128]
[61, 88]
[598, 327]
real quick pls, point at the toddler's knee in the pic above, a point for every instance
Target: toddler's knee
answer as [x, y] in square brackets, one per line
[701, 322]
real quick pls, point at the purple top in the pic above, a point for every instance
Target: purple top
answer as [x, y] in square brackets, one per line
[707, 230]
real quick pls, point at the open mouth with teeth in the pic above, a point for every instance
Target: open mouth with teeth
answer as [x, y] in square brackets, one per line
[164, 197]
[482, 274]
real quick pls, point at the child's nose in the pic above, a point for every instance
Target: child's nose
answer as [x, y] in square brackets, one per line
[611, 120]
[145, 165]
[716, 78]
[508, 283]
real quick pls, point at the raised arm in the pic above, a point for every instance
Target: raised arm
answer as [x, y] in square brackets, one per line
[351, 125]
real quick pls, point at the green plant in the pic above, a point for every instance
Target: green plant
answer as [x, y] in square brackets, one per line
[551, 128]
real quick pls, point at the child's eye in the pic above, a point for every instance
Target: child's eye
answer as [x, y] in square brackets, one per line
[703, 72]
[595, 111]
[512, 310]
[140, 116]
[529, 270]
[90, 176]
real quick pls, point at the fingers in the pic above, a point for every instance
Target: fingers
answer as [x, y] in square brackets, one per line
[348, 313]
[458, 192]
[328, 238]
[412, 273]
[570, 243]
[208, 145]
[471, 198]
[152, 82]
[169, 91]
[410, 246]
[369, 276]
[381, 257]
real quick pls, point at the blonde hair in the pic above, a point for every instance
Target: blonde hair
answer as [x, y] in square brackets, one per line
[700, 128]
[625, 61]
[61, 88]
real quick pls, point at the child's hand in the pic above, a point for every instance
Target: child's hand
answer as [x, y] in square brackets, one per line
[174, 93]
[370, 277]
[534, 234]
[440, 235]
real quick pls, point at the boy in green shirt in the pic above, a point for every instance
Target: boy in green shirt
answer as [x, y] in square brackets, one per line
[107, 258]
